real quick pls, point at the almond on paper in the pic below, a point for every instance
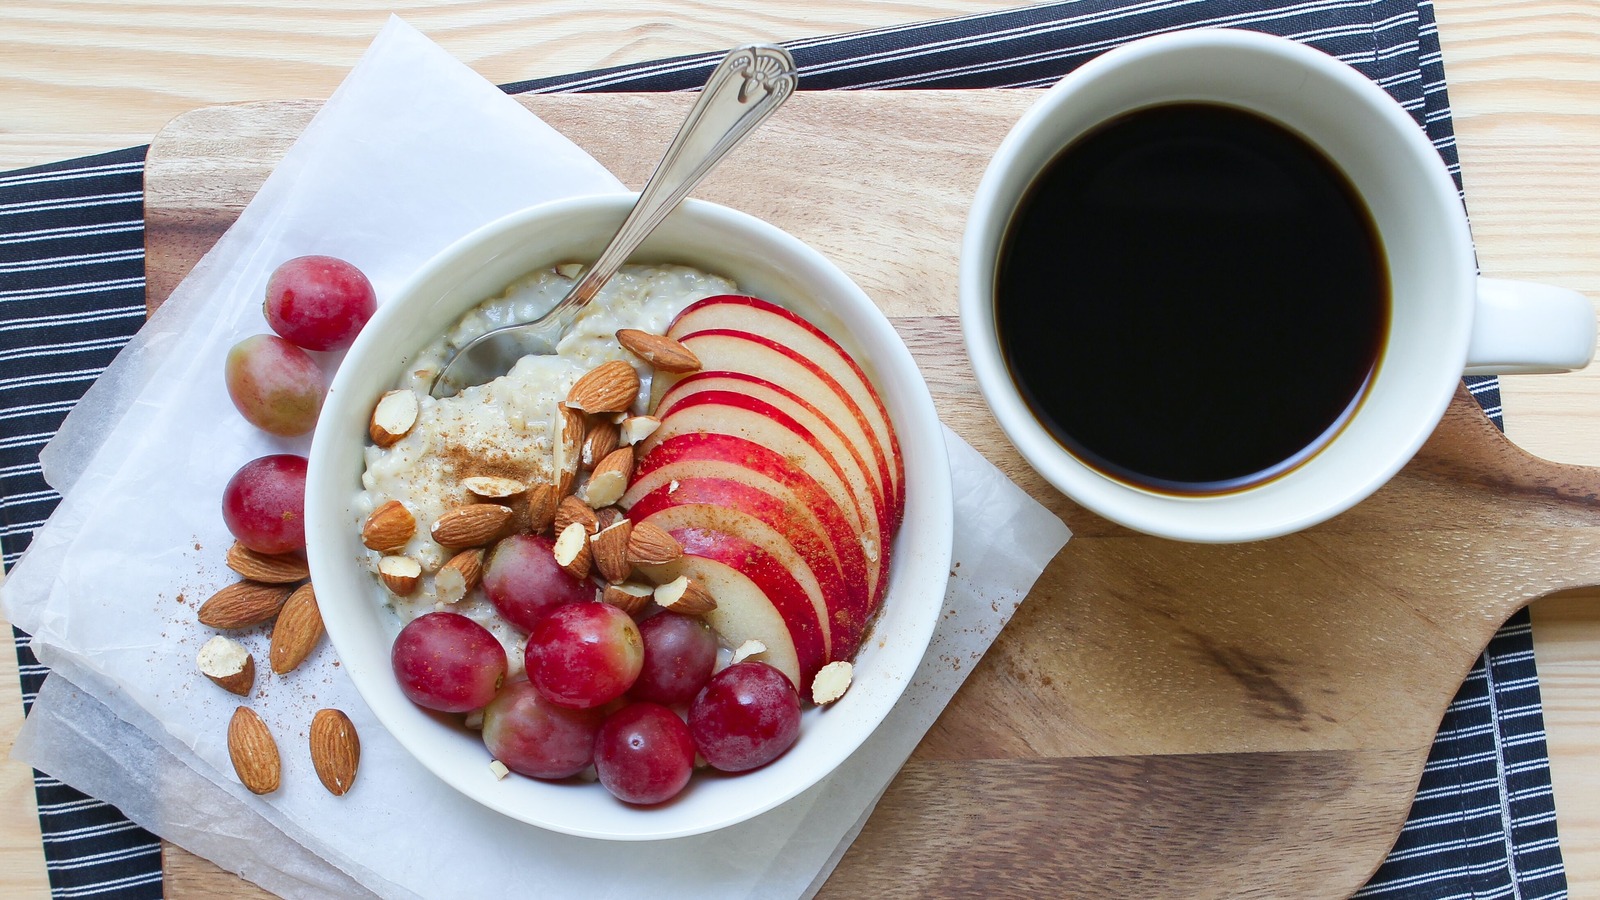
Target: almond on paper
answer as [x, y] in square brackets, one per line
[268, 568]
[456, 578]
[659, 351]
[243, 604]
[684, 595]
[335, 750]
[831, 681]
[572, 551]
[389, 527]
[629, 596]
[609, 480]
[651, 545]
[228, 664]
[610, 549]
[473, 525]
[297, 631]
[253, 751]
[610, 387]
[400, 574]
[393, 417]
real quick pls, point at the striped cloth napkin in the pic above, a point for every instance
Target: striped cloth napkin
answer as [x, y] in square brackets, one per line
[72, 292]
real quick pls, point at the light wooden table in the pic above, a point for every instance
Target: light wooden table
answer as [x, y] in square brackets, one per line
[1524, 82]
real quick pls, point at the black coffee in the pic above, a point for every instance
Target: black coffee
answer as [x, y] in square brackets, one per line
[1192, 298]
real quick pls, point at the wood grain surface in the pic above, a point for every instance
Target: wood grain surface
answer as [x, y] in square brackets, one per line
[1524, 81]
[1248, 715]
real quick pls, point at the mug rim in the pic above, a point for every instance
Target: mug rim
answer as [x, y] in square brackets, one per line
[1243, 514]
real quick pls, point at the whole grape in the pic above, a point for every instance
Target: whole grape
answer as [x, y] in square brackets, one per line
[446, 661]
[679, 654]
[584, 655]
[644, 753]
[746, 716]
[319, 302]
[275, 385]
[524, 581]
[264, 503]
[537, 738]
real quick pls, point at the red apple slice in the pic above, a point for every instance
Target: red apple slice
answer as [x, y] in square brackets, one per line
[794, 406]
[757, 599]
[789, 329]
[729, 458]
[741, 510]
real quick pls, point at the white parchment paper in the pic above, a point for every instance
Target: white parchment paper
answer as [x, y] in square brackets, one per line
[411, 152]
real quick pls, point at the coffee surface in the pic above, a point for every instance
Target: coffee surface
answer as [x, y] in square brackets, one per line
[1192, 298]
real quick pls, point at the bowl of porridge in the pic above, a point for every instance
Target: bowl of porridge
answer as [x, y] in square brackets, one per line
[512, 429]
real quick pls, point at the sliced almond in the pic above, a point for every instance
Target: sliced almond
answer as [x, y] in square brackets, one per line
[572, 551]
[636, 428]
[598, 441]
[393, 417]
[389, 527]
[400, 574]
[498, 770]
[227, 663]
[609, 480]
[490, 489]
[685, 596]
[746, 650]
[610, 387]
[335, 750]
[831, 681]
[573, 510]
[456, 578]
[660, 351]
[297, 631]
[474, 720]
[570, 270]
[243, 604]
[610, 549]
[568, 439]
[651, 545]
[473, 525]
[541, 507]
[607, 516]
[268, 568]
[630, 596]
[253, 751]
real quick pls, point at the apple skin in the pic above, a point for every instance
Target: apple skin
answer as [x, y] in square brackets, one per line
[788, 329]
[795, 407]
[757, 598]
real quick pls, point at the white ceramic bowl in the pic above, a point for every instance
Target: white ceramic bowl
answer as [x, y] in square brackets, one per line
[765, 262]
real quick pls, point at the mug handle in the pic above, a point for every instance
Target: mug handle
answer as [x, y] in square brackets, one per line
[1522, 327]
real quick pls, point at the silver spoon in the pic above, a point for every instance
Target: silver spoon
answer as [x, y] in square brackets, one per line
[744, 89]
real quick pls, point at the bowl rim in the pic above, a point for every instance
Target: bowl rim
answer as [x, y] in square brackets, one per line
[914, 417]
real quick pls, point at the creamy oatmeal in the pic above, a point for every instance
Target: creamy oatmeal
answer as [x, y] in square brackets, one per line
[505, 428]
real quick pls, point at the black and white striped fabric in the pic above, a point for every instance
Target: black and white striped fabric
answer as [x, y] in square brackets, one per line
[71, 293]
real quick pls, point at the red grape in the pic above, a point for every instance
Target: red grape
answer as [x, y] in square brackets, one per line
[448, 662]
[524, 581]
[746, 716]
[264, 503]
[319, 302]
[679, 654]
[584, 654]
[644, 753]
[275, 385]
[537, 738]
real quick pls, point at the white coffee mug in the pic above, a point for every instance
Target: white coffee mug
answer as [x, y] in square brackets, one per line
[1445, 320]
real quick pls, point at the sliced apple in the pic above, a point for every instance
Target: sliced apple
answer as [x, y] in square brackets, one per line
[757, 599]
[788, 329]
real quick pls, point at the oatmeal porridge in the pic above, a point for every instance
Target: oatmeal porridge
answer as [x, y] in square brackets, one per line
[507, 427]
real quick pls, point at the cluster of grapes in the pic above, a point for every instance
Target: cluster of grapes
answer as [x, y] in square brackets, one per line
[313, 303]
[601, 689]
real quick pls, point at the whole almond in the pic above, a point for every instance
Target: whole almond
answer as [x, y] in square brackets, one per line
[610, 387]
[243, 604]
[335, 750]
[609, 480]
[630, 596]
[253, 751]
[280, 568]
[660, 351]
[572, 510]
[389, 527]
[456, 578]
[541, 507]
[297, 631]
[473, 525]
[228, 664]
[610, 549]
[598, 440]
[651, 545]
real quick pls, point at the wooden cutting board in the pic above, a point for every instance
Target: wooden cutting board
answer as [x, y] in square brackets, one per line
[1159, 719]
